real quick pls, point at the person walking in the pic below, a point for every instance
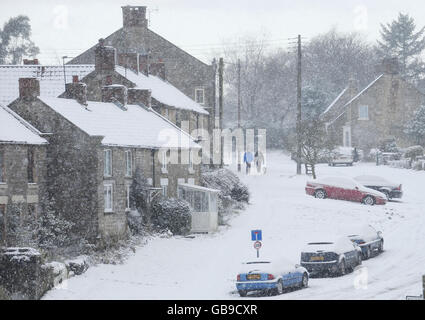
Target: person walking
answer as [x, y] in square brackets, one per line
[247, 158]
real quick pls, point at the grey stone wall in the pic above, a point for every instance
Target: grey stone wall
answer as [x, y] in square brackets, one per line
[16, 190]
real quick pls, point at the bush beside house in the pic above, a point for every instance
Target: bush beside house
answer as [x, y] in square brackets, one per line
[233, 193]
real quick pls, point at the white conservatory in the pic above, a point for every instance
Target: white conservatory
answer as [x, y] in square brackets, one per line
[203, 202]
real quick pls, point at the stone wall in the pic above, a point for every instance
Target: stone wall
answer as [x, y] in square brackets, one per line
[16, 190]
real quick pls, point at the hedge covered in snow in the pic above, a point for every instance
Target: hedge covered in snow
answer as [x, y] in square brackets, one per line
[172, 214]
[233, 193]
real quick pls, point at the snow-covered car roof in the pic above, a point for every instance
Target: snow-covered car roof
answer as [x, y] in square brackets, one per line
[346, 182]
[363, 232]
[338, 245]
[375, 181]
[274, 266]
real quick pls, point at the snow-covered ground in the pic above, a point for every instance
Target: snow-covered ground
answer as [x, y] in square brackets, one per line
[205, 267]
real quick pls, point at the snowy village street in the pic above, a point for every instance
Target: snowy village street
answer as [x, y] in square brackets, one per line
[205, 267]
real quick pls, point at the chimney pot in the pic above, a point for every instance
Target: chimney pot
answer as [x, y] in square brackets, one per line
[29, 88]
[75, 79]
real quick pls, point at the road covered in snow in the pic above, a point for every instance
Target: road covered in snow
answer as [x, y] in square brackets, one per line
[205, 267]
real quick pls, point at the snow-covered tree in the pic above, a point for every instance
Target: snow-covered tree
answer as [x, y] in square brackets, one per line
[415, 127]
[53, 231]
[15, 41]
[172, 214]
[400, 40]
[314, 142]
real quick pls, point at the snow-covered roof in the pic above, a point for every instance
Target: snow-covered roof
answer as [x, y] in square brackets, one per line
[14, 129]
[162, 90]
[51, 79]
[135, 127]
[352, 100]
[363, 91]
[335, 101]
[195, 187]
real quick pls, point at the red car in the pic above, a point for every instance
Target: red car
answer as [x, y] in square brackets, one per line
[343, 188]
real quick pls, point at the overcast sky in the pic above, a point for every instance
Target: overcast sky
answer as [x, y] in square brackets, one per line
[68, 27]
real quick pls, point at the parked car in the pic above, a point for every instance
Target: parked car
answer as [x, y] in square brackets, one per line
[390, 189]
[331, 258]
[341, 160]
[369, 240]
[343, 188]
[270, 276]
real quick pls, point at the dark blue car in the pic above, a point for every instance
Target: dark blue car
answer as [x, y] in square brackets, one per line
[270, 277]
[369, 240]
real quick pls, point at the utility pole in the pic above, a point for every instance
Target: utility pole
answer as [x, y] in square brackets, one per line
[220, 105]
[298, 128]
[239, 111]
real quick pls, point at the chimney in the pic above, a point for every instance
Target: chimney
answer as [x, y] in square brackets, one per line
[76, 90]
[389, 66]
[129, 61]
[113, 93]
[75, 79]
[134, 16]
[29, 88]
[136, 95]
[31, 62]
[157, 69]
[353, 86]
[105, 57]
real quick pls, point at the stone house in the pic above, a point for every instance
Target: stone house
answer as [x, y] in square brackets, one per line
[365, 118]
[167, 100]
[95, 147]
[22, 171]
[141, 49]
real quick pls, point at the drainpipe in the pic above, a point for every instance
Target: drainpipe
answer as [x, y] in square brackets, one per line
[153, 167]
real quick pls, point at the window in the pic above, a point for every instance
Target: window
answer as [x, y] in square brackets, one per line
[191, 161]
[164, 186]
[200, 96]
[107, 163]
[108, 197]
[166, 113]
[191, 181]
[128, 164]
[127, 198]
[31, 167]
[363, 113]
[2, 167]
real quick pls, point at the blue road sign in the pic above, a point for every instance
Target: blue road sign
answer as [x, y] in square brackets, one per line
[256, 235]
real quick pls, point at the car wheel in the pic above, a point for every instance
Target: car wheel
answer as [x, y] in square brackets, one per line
[320, 194]
[279, 288]
[304, 283]
[243, 293]
[381, 246]
[369, 200]
[342, 268]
